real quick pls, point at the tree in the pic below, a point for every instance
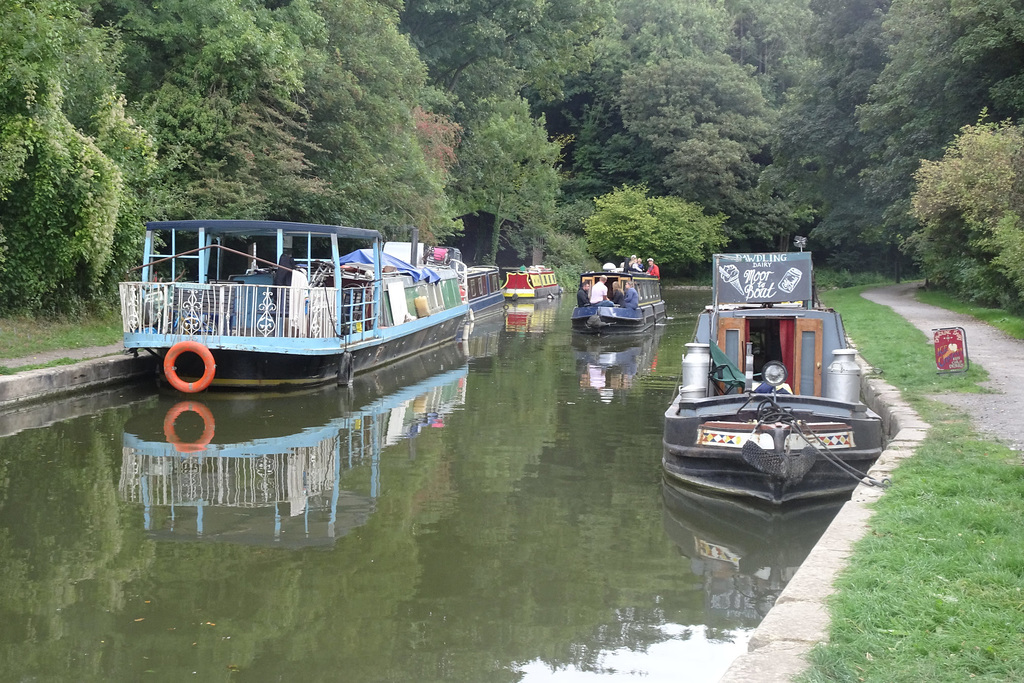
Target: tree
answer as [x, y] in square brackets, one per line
[711, 122]
[507, 168]
[820, 151]
[68, 199]
[675, 233]
[970, 204]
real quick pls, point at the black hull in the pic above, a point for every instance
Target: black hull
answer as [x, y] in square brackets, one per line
[724, 470]
[257, 369]
[607, 323]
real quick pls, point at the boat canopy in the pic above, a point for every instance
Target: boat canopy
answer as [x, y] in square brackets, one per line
[242, 227]
[366, 256]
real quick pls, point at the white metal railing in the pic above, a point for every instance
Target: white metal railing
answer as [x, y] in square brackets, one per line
[244, 310]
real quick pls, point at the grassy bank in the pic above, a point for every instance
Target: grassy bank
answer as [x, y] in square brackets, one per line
[935, 592]
[24, 336]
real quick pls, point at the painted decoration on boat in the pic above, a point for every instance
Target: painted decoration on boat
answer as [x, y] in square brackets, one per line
[762, 278]
[950, 349]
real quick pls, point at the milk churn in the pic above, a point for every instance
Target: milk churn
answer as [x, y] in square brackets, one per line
[696, 366]
[844, 376]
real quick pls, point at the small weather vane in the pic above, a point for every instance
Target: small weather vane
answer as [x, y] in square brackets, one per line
[800, 241]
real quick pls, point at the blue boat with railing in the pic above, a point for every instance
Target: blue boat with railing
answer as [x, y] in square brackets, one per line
[251, 304]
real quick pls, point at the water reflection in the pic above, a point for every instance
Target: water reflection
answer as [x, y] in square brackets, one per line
[610, 364]
[261, 469]
[745, 554]
[533, 317]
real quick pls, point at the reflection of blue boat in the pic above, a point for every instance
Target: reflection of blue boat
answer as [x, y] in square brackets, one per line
[302, 313]
[745, 552]
[610, 364]
[272, 469]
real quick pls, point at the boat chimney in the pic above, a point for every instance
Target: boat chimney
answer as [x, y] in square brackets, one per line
[414, 249]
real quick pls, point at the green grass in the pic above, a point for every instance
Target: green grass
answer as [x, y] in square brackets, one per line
[1011, 324]
[24, 336]
[935, 591]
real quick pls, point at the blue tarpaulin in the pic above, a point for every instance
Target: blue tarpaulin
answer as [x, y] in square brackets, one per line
[366, 256]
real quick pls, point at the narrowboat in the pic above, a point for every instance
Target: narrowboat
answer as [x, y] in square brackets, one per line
[483, 290]
[256, 304]
[213, 468]
[531, 282]
[769, 406]
[607, 318]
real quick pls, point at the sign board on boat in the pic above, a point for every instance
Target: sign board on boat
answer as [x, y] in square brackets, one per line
[950, 349]
[762, 278]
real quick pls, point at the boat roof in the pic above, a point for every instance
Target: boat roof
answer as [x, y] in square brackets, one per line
[246, 227]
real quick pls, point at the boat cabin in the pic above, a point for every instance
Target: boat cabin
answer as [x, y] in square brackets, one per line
[763, 310]
[648, 287]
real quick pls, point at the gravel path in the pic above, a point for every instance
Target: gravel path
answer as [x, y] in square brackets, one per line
[1000, 414]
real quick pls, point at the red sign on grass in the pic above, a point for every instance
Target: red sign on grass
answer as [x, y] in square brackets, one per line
[950, 349]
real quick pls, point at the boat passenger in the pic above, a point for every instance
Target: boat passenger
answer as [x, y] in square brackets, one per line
[583, 295]
[599, 292]
[636, 266]
[617, 296]
[631, 299]
[652, 268]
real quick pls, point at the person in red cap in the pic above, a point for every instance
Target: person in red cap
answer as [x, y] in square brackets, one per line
[652, 268]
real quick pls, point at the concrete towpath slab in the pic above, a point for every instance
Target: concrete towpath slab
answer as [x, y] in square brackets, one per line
[84, 353]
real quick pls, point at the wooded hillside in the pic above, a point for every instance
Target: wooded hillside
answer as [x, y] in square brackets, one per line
[765, 119]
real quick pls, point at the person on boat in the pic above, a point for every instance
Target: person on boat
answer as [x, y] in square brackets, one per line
[599, 292]
[617, 295]
[652, 268]
[583, 295]
[636, 265]
[631, 299]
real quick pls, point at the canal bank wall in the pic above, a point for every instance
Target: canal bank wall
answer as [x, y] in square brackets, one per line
[777, 650]
[87, 375]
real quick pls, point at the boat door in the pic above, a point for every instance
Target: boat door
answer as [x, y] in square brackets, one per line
[732, 339]
[807, 357]
[796, 342]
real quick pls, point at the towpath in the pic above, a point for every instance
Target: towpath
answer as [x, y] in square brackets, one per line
[84, 353]
[996, 414]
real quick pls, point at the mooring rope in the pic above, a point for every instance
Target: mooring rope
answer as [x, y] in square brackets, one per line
[768, 411]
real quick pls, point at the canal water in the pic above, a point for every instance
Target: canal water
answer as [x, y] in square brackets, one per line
[490, 511]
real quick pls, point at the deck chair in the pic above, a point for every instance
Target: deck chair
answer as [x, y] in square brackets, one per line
[724, 375]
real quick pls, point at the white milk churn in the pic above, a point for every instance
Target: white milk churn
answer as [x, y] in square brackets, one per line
[696, 366]
[844, 376]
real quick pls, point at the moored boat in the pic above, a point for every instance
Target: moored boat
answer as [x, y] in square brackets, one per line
[606, 318]
[484, 290]
[221, 315]
[531, 282]
[797, 431]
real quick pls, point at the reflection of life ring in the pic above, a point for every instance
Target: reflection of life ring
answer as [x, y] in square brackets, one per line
[172, 436]
[209, 367]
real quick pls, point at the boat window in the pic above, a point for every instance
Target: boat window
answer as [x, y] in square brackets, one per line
[807, 361]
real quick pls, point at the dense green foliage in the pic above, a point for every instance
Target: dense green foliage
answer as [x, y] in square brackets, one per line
[787, 117]
[667, 229]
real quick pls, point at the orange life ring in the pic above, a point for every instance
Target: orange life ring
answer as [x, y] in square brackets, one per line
[172, 435]
[209, 367]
